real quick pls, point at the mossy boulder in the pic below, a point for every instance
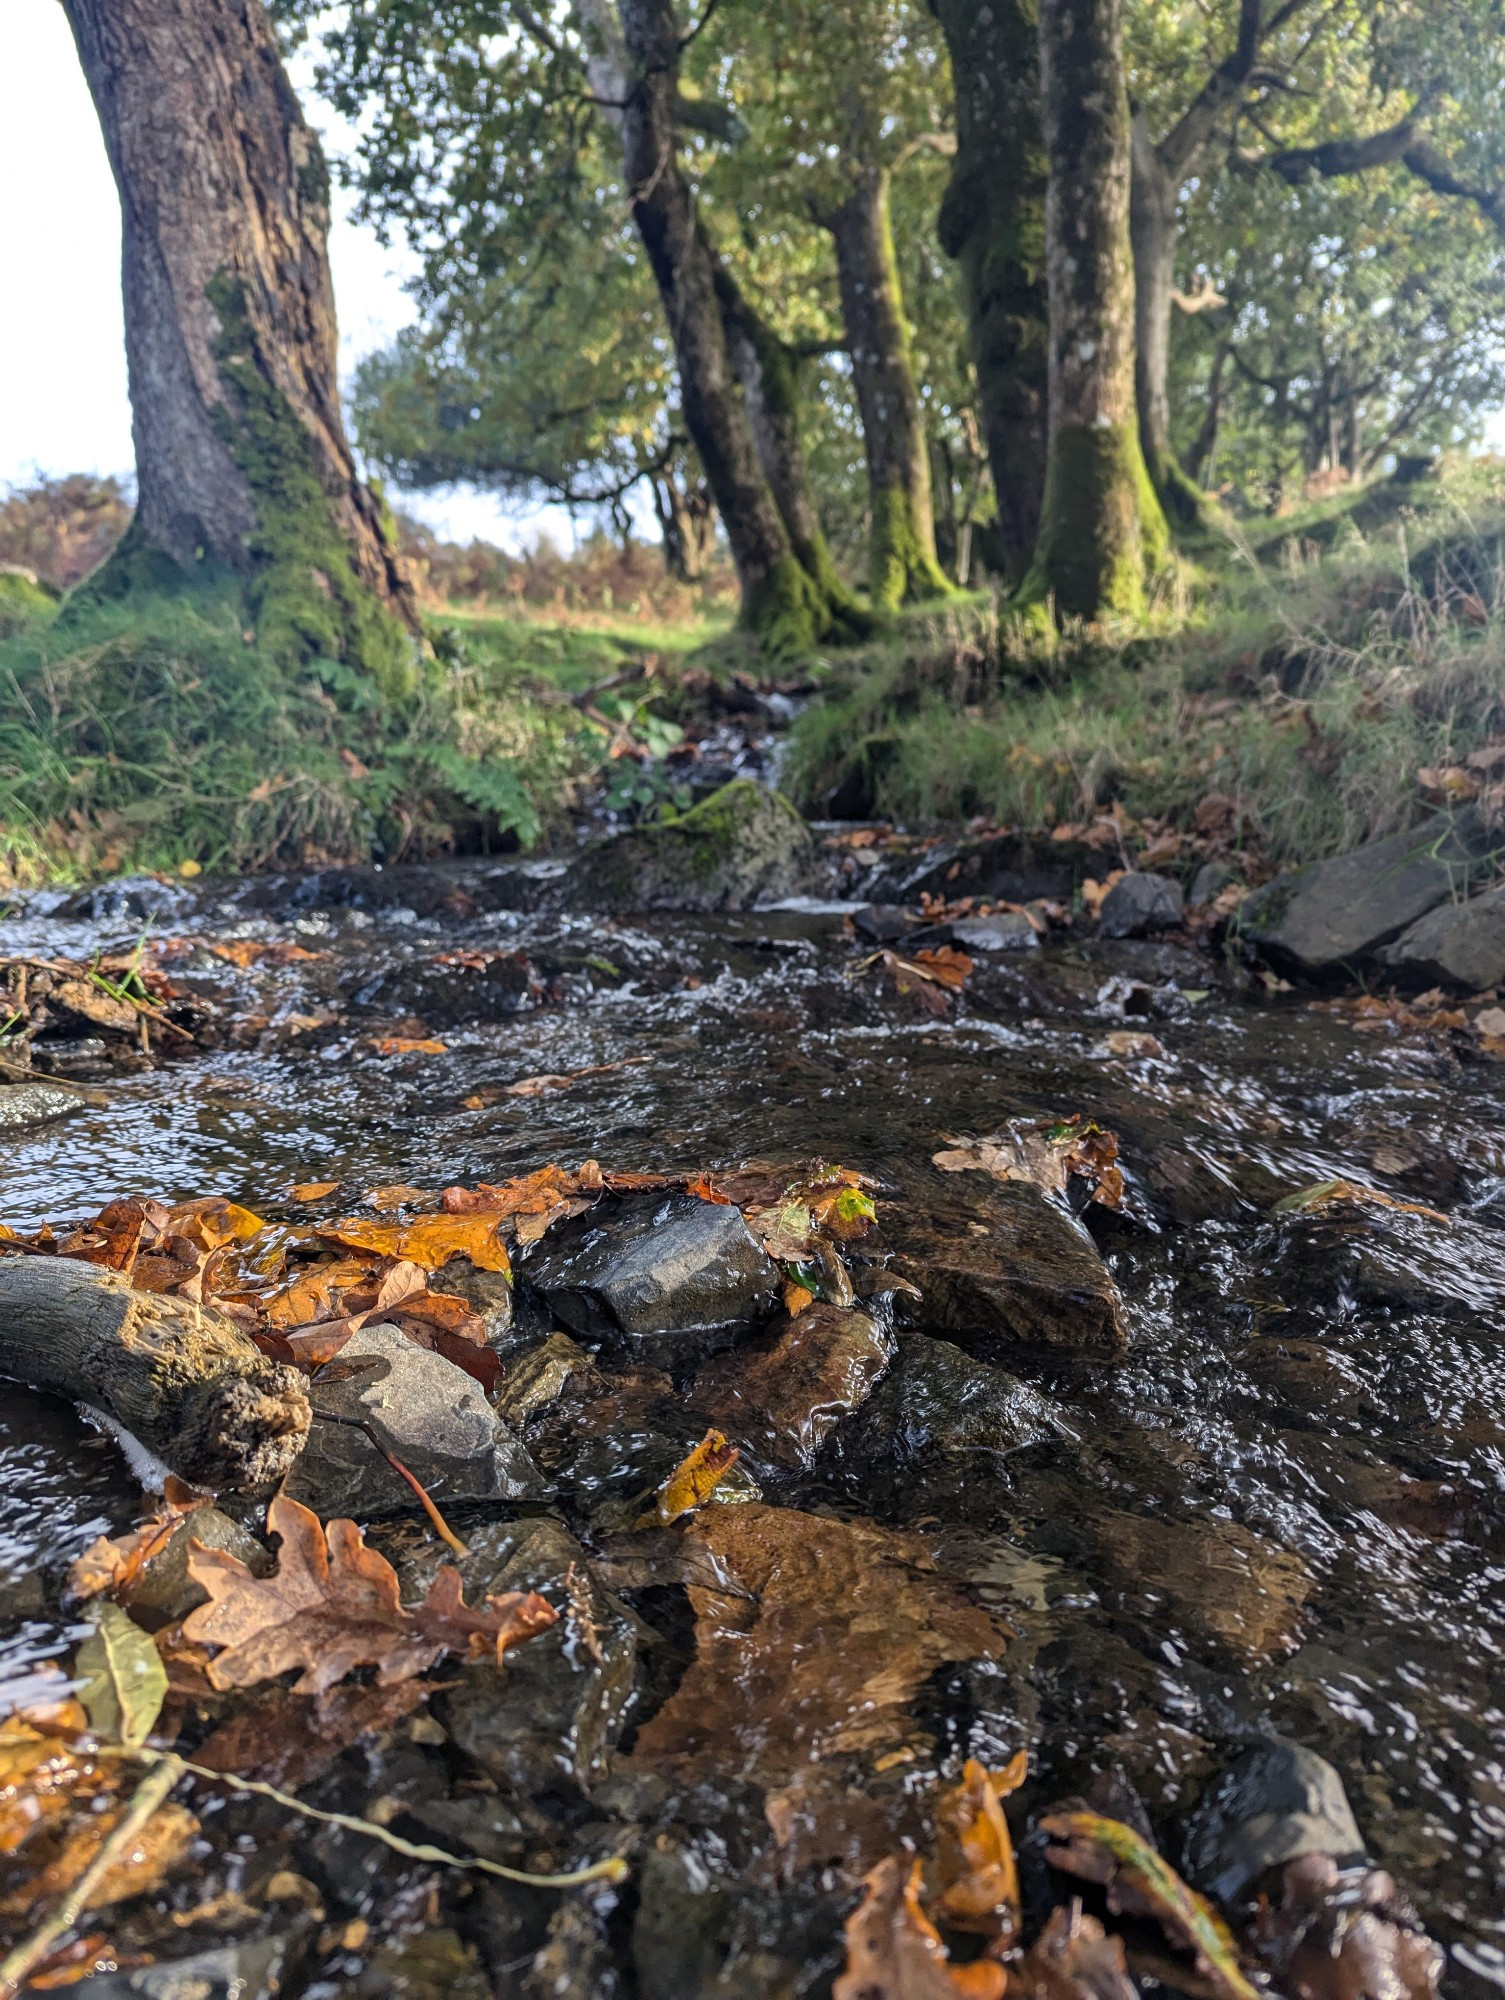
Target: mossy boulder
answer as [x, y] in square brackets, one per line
[23, 601]
[743, 845]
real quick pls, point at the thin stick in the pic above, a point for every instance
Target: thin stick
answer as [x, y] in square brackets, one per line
[437, 1521]
[614, 1869]
[149, 1794]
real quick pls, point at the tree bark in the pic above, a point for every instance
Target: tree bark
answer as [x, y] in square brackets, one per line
[781, 601]
[770, 386]
[1153, 231]
[242, 463]
[182, 1378]
[902, 561]
[992, 222]
[1101, 525]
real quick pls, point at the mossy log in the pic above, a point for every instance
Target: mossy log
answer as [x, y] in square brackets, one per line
[182, 1378]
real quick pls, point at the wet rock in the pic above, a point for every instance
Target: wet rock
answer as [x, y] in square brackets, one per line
[786, 1396]
[1009, 930]
[130, 899]
[666, 1272]
[743, 845]
[428, 1413]
[537, 1377]
[1460, 944]
[26, 1104]
[1276, 1803]
[1337, 913]
[546, 1722]
[1140, 904]
[1219, 1579]
[488, 1293]
[882, 923]
[941, 1402]
[431, 1963]
[1007, 1266]
[164, 1592]
[480, 986]
[1210, 880]
[576, 1962]
[1006, 868]
[253, 1969]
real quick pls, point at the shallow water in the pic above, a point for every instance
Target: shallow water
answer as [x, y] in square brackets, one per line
[1332, 1384]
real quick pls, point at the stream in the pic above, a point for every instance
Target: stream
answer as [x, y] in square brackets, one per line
[1282, 1510]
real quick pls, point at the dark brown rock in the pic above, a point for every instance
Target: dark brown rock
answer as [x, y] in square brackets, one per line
[788, 1394]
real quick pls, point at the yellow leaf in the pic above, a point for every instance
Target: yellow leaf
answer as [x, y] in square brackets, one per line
[429, 1240]
[695, 1478]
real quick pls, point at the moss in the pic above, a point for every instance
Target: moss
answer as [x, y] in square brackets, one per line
[788, 611]
[1102, 528]
[739, 845]
[24, 603]
[305, 596]
[1182, 501]
[902, 569]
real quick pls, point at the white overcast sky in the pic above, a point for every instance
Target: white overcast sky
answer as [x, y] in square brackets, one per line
[63, 404]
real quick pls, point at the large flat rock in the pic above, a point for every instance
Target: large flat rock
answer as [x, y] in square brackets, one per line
[1458, 944]
[1334, 914]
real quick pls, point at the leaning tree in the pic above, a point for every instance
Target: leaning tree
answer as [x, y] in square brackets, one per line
[245, 477]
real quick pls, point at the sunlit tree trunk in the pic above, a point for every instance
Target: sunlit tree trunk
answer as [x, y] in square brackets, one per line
[243, 467]
[902, 563]
[1101, 525]
[993, 222]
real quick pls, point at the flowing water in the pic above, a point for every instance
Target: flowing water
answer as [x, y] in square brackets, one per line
[1283, 1509]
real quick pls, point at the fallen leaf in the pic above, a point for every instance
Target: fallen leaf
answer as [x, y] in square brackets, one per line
[409, 1045]
[1140, 1882]
[1344, 1935]
[977, 1877]
[161, 1844]
[83, 997]
[289, 1743]
[797, 1298]
[1490, 1021]
[895, 1953]
[1095, 894]
[332, 1605]
[123, 1680]
[246, 952]
[1048, 1154]
[1131, 1043]
[315, 1190]
[115, 1563]
[428, 1240]
[1327, 1194]
[397, 1194]
[946, 966]
[694, 1479]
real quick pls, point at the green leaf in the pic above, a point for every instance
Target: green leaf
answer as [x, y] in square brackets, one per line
[124, 1680]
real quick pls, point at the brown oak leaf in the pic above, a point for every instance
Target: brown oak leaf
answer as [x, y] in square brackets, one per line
[333, 1604]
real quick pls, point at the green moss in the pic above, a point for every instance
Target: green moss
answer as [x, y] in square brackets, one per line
[1181, 499]
[739, 844]
[902, 568]
[23, 603]
[305, 596]
[1102, 529]
[788, 611]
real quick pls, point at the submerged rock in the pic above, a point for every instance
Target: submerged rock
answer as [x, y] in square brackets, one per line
[1008, 1267]
[1140, 904]
[427, 1412]
[1461, 944]
[788, 1395]
[163, 1592]
[252, 1969]
[1217, 1577]
[1009, 930]
[26, 1104]
[742, 845]
[1337, 913]
[938, 1402]
[537, 1377]
[663, 1272]
[1276, 1803]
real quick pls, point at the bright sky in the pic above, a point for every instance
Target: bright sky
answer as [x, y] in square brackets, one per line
[63, 403]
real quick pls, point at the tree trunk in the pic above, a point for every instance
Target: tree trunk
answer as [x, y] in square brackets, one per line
[902, 562]
[992, 221]
[781, 601]
[182, 1378]
[1153, 232]
[1101, 525]
[687, 522]
[242, 464]
[770, 386]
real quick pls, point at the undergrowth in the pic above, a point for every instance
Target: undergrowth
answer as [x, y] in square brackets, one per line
[1307, 680]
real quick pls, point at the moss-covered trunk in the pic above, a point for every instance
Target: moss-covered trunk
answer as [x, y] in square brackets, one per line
[769, 376]
[902, 561]
[1153, 231]
[1102, 526]
[992, 221]
[242, 464]
[781, 601]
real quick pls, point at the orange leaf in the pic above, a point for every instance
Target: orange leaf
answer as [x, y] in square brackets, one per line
[980, 1880]
[428, 1240]
[314, 1190]
[408, 1045]
[947, 967]
[695, 1478]
[895, 1953]
[397, 1194]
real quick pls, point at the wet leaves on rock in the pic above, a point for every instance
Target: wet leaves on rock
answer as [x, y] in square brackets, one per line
[894, 1952]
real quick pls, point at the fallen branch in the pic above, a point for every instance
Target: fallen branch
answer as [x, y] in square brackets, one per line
[180, 1377]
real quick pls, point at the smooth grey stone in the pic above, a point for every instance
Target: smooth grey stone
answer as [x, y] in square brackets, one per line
[429, 1413]
[1276, 1803]
[1460, 944]
[1336, 913]
[1209, 881]
[1010, 930]
[655, 1269]
[1140, 904]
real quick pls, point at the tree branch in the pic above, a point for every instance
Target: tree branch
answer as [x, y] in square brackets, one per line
[1424, 160]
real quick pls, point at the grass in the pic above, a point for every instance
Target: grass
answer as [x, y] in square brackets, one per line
[1307, 678]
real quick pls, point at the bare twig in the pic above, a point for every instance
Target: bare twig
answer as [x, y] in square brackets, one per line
[437, 1521]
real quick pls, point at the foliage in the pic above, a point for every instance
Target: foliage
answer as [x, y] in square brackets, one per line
[60, 529]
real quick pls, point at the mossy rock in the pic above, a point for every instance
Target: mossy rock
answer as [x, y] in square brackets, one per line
[23, 602]
[743, 845]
